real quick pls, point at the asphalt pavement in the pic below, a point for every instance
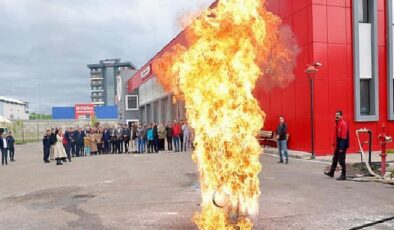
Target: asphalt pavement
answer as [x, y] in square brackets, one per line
[160, 191]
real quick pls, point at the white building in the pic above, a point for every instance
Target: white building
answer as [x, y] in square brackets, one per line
[13, 109]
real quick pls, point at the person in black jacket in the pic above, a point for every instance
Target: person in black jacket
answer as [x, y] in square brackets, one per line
[281, 136]
[47, 143]
[169, 137]
[4, 149]
[11, 146]
[53, 142]
[155, 138]
[126, 138]
[78, 142]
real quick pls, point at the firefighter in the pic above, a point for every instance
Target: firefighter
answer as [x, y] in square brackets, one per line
[341, 144]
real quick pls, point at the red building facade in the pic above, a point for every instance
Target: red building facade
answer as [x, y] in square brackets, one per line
[353, 39]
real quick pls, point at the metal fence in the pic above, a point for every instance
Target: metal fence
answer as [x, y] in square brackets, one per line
[34, 130]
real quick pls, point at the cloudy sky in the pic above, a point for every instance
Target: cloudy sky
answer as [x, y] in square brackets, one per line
[45, 45]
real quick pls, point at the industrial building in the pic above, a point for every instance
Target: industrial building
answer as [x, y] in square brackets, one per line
[13, 109]
[354, 42]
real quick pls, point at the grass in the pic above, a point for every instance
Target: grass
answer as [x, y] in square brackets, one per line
[20, 142]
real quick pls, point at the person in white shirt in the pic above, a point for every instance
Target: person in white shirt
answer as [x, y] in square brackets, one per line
[4, 149]
[186, 136]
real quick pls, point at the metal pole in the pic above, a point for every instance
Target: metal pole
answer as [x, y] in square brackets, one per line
[312, 118]
[370, 147]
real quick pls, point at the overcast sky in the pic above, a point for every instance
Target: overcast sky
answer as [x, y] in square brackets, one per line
[45, 45]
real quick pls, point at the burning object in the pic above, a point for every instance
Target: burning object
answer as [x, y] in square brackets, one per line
[230, 46]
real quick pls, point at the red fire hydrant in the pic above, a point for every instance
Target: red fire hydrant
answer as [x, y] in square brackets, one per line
[384, 140]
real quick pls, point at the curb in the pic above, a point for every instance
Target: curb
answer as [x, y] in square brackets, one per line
[292, 154]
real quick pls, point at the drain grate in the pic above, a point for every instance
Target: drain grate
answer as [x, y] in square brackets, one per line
[84, 196]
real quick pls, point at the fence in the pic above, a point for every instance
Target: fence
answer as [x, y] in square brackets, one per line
[34, 130]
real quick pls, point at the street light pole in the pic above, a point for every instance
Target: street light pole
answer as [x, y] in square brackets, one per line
[311, 71]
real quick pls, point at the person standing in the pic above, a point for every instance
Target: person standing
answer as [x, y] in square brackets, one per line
[126, 138]
[134, 137]
[86, 141]
[281, 136]
[185, 136]
[67, 138]
[107, 140]
[161, 133]
[141, 139]
[11, 146]
[47, 143]
[113, 139]
[65, 145]
[176, 132]
[99, 140]
[93, 142]
[59, 151]
[341, 144]
[150, 136]
[78, 141]
[169, 137]
[53, 142]
[82, 142]
[4, 149]
[181, 135]
[72, 141]
[155, 138]
[119, 143]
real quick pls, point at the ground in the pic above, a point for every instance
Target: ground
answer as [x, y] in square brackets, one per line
[161, 192]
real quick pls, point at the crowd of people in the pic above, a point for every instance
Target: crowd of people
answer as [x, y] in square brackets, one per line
[62, 146]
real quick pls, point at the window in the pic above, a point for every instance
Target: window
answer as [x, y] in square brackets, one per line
[365, 50]
[363, 11]
[110, 84]
[365, 96]
[131, 102]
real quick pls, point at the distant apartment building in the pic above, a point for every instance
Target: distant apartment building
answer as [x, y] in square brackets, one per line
[13, 109]
[103, 81]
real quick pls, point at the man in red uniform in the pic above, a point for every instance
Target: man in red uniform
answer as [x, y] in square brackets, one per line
[176, 132]
[341, 145]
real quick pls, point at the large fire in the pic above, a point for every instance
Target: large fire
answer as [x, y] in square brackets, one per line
[229, 47]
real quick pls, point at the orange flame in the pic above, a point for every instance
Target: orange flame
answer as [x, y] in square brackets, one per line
[230, 47]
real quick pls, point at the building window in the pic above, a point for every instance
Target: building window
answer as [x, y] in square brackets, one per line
[363, 11]
[365, 50]
[365, 96]
[131, 102]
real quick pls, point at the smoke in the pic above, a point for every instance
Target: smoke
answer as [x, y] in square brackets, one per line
[278, 67]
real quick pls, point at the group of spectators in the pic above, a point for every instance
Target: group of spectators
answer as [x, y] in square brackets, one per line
[151, 138]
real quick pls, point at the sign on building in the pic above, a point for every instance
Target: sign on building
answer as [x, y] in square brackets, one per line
[84, 111]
